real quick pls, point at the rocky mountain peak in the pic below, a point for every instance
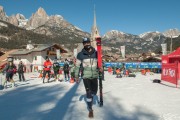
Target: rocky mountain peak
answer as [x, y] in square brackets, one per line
[56, 18]
[172, 32]
[1, 8]
[13, 20]
[3, 14]
[115, 34]
[41, 12]
[20, 16]
[38, 19]
[150, 35]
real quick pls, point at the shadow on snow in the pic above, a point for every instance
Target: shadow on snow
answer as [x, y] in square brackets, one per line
[53, 103]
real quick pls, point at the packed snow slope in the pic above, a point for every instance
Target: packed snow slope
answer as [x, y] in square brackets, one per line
[125, 98]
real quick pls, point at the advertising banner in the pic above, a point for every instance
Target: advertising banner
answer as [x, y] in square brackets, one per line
[135, 65]
[132, 65]
[123, 51]
[164, 48]
[169, 73]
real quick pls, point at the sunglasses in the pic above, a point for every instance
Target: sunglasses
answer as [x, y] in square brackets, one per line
[86, 42]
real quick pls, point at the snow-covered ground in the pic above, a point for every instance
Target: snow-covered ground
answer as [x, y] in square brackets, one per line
[124, 99]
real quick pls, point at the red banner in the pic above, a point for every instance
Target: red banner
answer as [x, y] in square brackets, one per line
[169, 72]
[178, 75]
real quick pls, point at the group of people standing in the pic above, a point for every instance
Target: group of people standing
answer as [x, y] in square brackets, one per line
[10, 69]
[118, 71]
[56, 70]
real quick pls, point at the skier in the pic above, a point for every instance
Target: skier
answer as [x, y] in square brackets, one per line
[56, 67]
[66, 70]
[10, 70]
[72, 72]
[21, 69]
[47, 68]
[118, 73]
[87, 63]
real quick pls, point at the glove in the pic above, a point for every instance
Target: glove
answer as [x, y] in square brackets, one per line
[48, 66]
[101, 69]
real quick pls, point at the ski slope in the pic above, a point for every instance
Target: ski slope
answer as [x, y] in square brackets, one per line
[124, 99]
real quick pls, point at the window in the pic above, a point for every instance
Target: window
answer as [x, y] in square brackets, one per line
[35, 57]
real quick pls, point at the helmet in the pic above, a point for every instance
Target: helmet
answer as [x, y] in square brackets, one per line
[85, 40]
[47, 57]
[10, 59]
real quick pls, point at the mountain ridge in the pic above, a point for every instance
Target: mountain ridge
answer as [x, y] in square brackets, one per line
[57, 29]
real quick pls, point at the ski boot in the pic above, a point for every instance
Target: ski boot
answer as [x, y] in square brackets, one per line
[91, 115]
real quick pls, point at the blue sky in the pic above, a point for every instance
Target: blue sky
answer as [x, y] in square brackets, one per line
[130, 16]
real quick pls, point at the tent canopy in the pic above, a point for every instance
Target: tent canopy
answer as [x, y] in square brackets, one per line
[172, 57]
[175, 54]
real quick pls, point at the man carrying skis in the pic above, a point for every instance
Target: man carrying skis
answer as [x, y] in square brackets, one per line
[87, 62]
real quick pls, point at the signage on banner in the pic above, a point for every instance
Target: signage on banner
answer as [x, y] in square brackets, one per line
[164, 61]
[169, 72]
[107, 64]
[144, 65]
[61, 64]
[132, 65]
[135, 65]
[154, 65]
[113, 64]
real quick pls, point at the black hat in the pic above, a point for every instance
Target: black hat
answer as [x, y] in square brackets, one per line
[85, 40]
[47, 57]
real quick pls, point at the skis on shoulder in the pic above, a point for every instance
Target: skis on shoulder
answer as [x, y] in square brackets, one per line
[99, 56]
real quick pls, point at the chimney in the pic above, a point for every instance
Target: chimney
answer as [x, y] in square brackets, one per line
[29, 46]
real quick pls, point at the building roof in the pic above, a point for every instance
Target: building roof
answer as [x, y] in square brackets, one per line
[3, 58]
[38, 48]
[21, 52]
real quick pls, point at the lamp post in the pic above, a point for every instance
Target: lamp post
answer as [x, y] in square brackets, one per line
[171, 42]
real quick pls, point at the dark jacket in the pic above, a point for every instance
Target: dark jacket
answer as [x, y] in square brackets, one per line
[56, 66]
[21, 68]
[66, 67]
[9, 68]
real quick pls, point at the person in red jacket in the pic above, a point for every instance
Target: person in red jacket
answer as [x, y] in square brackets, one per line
[47, 68]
